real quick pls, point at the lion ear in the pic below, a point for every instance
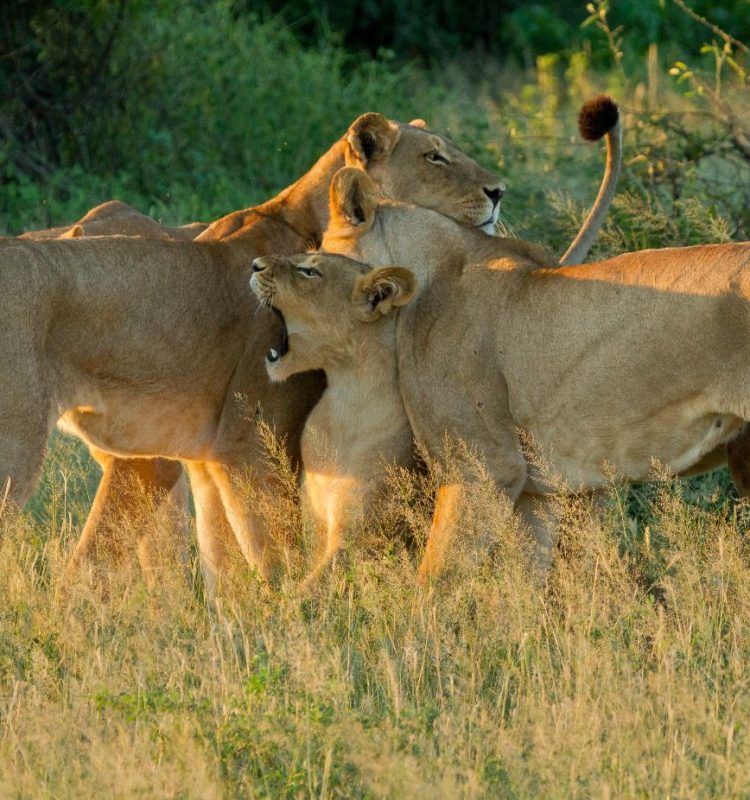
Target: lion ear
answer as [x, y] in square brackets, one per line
[74, 232]
[352, 199]
[418, 123]
[370, 138]
[381, 290]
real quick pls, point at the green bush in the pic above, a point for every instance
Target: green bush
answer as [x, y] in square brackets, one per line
[198, 113]
[190, 110]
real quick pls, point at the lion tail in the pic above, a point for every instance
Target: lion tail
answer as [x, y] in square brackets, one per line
[599, 117]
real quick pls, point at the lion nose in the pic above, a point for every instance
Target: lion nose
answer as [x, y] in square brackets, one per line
[258, 265]
[495, 193]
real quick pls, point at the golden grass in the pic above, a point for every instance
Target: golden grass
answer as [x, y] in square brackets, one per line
[624, 676]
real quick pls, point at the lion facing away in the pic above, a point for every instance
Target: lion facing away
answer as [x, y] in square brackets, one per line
[117, 218]
[639, 357]
[126, 485]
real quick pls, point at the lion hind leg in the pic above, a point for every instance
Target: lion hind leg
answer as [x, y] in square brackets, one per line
[250, 529]
[121, 521]
[505, 464]
[738, 459]
[163, 548]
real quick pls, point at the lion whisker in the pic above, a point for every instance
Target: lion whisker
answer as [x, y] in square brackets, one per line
[504, 227]
[264, 302]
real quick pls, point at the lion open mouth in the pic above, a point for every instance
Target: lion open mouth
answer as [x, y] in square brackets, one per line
[282, 348]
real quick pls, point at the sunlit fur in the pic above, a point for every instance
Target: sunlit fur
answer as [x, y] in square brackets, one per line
[640, 357]
[342, 321]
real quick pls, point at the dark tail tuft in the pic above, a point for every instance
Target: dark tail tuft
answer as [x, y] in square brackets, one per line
[597, 117]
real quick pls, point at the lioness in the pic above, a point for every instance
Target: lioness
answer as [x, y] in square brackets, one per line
[130, 484]
[336, 311]
[618, 362]
[126, 402]
[113, 218]
[409, 161]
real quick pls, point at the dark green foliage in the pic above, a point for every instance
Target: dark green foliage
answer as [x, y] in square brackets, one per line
[193, 109]
[189, 110]
[441, 29]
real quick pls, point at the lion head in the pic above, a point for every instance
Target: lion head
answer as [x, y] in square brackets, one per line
[364, 227]
[406, 162]
[322, 300]
[413, 164]
[356, 194]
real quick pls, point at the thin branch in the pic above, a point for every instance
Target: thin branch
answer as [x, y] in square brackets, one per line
[713, 28]
[738, 134]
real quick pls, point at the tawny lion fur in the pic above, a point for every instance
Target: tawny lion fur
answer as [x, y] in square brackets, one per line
[603, 366]
[176, 336]
[117, 218]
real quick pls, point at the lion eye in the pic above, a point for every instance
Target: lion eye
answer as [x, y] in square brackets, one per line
[436, 158]
[310, 272]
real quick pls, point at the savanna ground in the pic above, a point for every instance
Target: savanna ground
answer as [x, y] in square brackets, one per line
[624, 676]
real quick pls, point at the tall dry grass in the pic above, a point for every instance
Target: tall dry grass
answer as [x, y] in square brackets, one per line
[625, 675]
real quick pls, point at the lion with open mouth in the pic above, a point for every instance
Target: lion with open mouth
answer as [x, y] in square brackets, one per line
[613, 364]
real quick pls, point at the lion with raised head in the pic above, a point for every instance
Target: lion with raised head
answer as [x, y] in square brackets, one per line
[336, 311]
[640, 357]
[407, 162]
[177, 336]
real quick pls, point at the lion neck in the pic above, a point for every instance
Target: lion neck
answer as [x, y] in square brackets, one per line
[369, 357]
[430, 243]
[303, 206]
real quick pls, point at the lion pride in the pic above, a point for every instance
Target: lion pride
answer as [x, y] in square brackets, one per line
[126, 402]
[618, 362]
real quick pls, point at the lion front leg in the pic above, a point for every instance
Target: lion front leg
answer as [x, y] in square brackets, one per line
[540, 516]
[504, 461]
[332, 502]
[442, 531]
[446, 519]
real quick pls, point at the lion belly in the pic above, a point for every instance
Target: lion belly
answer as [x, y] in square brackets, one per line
[588, 452]
[138, 426]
